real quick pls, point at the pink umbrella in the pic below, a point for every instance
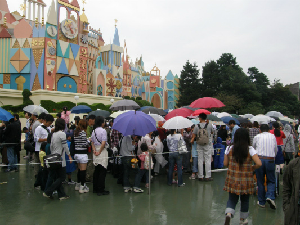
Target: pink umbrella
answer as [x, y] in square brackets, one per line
[199, 111]
[207, 102]
[184, 112]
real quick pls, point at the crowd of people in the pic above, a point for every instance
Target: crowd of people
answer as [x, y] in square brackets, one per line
[90, 147]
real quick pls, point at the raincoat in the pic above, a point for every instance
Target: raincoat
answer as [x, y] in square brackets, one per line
[219, 154]
[288, 142]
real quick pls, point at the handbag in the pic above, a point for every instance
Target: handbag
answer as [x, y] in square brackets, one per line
[53, 161]
[181, 146]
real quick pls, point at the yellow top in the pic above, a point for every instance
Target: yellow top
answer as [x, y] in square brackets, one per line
[41, 156]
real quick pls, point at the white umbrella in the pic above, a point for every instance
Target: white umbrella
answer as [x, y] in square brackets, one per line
[214, 113]
[262, 119]
[177, 122]
[222, 114]
[157, 117]
[274, 113]
[116, 114]
[248, 116]
[287, 119]
[35, 109]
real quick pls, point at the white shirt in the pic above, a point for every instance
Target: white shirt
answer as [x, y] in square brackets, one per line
[265, 144]
[40, 132]
[28, 123]
[252, 151]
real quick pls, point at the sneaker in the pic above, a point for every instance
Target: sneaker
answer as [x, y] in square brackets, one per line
[77, 186]
[81, 189]
[243, 222]
[174, 181]
[126, 190]
[71, 182]
[271, 203]
[262, 206]
[54, 192]
[227, 220]
[193, 177]
[64, 197]
[47, 196]
[25, 157]
[38, 187]
[8, 170]
[86, 188]
[65, 182]
[182, 185]
[138, 190]
[103, 193]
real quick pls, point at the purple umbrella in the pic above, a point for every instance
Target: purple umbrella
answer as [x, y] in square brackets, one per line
[134, 123]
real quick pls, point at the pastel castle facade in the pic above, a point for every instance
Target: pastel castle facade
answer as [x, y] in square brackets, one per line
[61, 52]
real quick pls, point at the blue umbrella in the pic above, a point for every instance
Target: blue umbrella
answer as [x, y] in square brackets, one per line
[80, 109]
[4, 115]
[134, 123]
[226, 119]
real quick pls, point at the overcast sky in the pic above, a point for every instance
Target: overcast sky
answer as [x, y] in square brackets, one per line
[260, 33]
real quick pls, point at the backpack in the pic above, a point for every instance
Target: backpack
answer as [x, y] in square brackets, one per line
[147, 162]
[202, 135]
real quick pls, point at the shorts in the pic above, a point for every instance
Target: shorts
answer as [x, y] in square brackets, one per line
[81, 158]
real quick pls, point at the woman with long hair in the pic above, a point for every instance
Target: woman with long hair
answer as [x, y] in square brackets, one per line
[239, 181]
[279, 135]
[81, 156]
[58, 145]
[100, 156]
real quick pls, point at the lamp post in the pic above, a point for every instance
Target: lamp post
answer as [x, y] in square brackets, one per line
[76, 98]
[112, 101]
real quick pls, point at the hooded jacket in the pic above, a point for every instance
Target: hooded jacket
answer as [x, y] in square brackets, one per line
[288, 142]
[219, 154]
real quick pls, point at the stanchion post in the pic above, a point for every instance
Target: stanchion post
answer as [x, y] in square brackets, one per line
[149, 189]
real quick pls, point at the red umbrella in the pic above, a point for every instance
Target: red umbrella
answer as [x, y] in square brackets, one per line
[207, 102]
[184, 112]
[199, 111]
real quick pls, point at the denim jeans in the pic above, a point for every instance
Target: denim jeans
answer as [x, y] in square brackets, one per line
[195, 165]
[12, 158]
[267, 168]
[175, 157]
[233, 200]
[139, 177]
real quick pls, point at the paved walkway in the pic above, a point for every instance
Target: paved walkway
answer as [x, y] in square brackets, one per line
[196, 203]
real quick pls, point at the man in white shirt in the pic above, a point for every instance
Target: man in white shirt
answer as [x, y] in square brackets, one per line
[40, 135]
[204, 151]
[266, 146]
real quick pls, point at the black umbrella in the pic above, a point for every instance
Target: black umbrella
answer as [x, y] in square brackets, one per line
[242, 120]
[153, 110]
[124, 105]
[100, 112]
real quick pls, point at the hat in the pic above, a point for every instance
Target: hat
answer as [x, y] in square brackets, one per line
[76, 118]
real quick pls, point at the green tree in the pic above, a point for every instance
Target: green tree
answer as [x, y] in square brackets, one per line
[253, 108]
[261, 82]
[210, 80]
[232, 103]
[189, 84]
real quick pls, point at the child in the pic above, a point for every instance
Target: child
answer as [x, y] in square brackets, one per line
[70, 167]
[194, 161]
[144, 157]
[219, 154]
[239, 181]
[43, 172]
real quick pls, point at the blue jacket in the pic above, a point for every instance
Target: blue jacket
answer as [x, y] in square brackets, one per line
[219, 154]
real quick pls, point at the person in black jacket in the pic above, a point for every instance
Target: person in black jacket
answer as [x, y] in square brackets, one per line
[222, 133]
[12, 137]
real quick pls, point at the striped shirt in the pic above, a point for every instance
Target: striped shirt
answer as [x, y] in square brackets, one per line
[252, 133]
[265, 144]
[81, 143]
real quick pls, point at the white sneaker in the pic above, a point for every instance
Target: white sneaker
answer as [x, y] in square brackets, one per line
[271, 203]
[138, 190]
[86, 188]
[243, 222]
[77, 186]
[127, 190]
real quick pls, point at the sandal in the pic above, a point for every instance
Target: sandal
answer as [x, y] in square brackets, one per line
[209, 179]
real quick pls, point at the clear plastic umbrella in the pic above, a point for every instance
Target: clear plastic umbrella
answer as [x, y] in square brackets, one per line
[35, 109]
[222, 114]
[262, 119]
[274, 113]
[177, 122]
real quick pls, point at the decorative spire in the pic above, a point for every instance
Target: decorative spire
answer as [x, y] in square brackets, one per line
[116, 21]
[4, 23]
[23, 8]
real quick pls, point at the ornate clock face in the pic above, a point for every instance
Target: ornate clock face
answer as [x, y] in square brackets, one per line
[69, 28]
[52, 31]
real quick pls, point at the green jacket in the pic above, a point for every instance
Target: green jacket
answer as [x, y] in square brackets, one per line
[291, 179]
[89, 131]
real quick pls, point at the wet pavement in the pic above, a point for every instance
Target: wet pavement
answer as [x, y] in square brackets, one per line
[197, 203]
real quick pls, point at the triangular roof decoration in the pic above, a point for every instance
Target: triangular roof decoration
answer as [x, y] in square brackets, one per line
[63, 68]
[75, 3]
[4, 34]
[75, 49]
[116, 38]
[52, 15]
[4, 6]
